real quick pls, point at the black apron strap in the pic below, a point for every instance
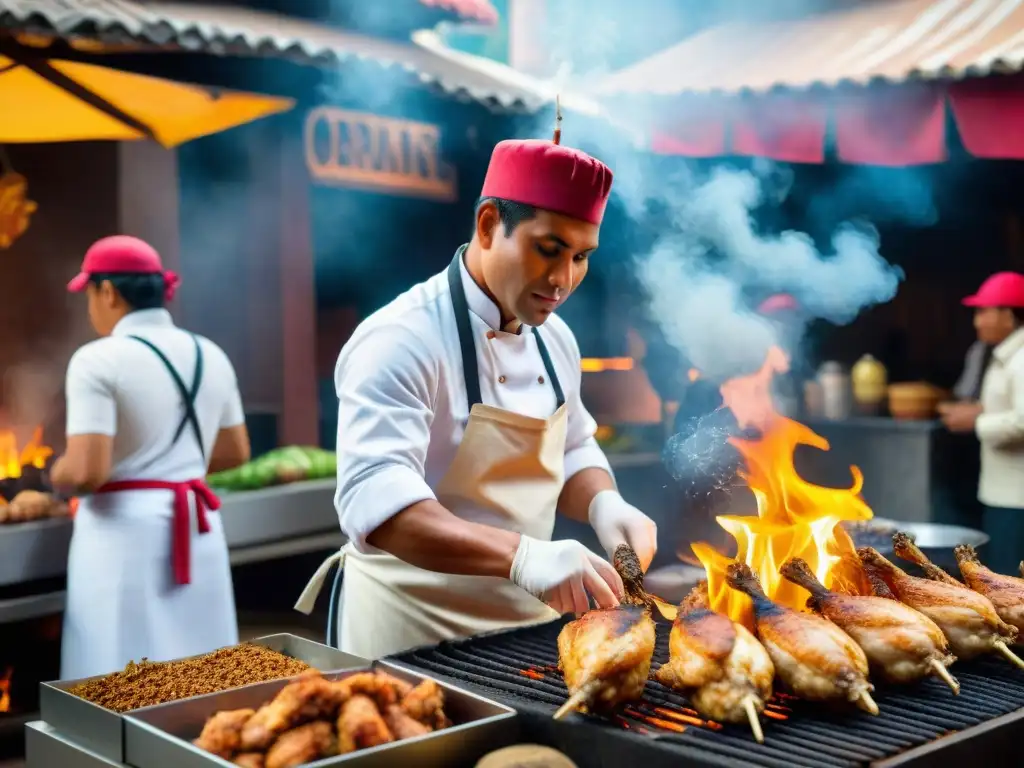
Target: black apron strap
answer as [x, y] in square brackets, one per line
[188, 394]
[470, 371]
[469, 368]
[552, 376]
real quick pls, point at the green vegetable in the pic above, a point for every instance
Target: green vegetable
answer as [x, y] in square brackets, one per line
[289, 464]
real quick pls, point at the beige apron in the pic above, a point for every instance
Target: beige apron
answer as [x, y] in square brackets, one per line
[508, 472]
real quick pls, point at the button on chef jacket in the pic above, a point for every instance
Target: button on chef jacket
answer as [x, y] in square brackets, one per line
[402, 402]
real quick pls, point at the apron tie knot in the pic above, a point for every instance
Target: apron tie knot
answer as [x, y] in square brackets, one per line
[181, 533]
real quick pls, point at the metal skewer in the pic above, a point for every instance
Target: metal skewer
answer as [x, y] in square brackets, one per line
[755, 723]
[1013, 658]
[947, 678]
[582, 696]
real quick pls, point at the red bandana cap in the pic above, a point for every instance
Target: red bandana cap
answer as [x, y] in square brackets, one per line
[126, 255]
[1003, 289]
[547, 175]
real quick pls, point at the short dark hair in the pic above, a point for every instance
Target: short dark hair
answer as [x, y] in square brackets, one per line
[510, 213]
[140, 291]
[1018, 315]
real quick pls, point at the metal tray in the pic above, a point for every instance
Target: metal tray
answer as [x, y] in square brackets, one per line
[46, 748]
[161, 736]
[102, 731]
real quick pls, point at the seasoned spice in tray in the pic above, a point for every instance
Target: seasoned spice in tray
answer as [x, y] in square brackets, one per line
[147, 683]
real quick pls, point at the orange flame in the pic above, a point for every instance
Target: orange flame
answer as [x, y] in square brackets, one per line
[5, 690]
[795, 518]
[34, 454]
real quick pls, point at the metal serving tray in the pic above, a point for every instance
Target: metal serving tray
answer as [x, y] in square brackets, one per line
[161, 736]
[102, 731]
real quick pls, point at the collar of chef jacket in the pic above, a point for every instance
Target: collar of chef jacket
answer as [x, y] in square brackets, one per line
[142, 318]
[481, 305]
[1009, 346]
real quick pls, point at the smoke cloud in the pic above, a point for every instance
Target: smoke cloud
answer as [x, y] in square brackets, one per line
[719, 241]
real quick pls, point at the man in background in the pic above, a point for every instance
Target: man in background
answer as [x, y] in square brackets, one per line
[998, 417]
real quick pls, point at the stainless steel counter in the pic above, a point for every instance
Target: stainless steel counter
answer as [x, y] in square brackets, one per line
[259, 525]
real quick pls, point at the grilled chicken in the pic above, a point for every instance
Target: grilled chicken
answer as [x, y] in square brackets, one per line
[967, 619]
[901, 644]
[627, 565]
[605, 655]
[1005, 592]
[813, 657]
[724, 671]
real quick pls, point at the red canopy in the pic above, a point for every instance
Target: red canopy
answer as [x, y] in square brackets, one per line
[879, 75]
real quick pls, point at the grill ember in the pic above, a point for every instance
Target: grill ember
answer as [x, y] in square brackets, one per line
[5, 690]
[795, 518]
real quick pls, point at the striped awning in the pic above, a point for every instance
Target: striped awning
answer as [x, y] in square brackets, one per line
[875, 41]
[226, 30]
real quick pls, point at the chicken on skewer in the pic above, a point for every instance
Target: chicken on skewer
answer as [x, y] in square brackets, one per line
[1005, 592]
[901, 644]
[967, 619]
[1008, 597]
[813, 657]
[722, 668]
[605, 655]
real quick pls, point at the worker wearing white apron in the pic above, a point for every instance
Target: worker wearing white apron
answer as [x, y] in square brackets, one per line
[461, 429]
[149, 408]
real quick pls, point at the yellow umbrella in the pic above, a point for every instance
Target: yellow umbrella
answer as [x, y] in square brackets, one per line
[48, 100]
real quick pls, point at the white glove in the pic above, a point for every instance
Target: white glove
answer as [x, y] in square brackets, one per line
[616, 522]
[562, 573]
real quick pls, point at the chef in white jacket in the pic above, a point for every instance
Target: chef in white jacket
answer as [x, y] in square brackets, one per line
[150, 409]
[461, 429]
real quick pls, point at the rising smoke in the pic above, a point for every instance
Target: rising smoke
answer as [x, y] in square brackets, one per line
[713, 250]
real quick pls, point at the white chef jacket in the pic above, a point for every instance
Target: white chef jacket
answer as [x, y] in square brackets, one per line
[116, 386]
[1000, 428]
[402, 404]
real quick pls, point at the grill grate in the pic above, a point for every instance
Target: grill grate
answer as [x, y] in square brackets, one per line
[520, 668]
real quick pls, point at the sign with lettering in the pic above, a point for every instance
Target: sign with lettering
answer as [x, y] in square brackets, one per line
[384, 154]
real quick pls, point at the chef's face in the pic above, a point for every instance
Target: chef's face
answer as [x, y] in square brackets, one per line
[994, 324]
[531, 271]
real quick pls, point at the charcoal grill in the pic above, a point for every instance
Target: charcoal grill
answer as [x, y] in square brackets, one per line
[919, 725]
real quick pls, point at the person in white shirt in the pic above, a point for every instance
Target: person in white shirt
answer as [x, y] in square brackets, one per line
[461, 429]
[998, 418]
[151, 409]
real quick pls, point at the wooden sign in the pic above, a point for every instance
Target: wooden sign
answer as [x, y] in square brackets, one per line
[383, 154]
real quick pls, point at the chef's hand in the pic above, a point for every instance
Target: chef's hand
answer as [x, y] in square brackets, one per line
[960, 417]
[616, 522]
[562, 573]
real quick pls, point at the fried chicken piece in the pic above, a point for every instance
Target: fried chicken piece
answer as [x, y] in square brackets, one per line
[901, 644]
[302, 745]
[605, 656]
[402, 725]
[361, 726]
[968, 620]
[251, 760]
[311, 697]
[383, 688]
[1005, 592]
[425, 703]
[720, 666]
[813, 657]
[222, 733]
